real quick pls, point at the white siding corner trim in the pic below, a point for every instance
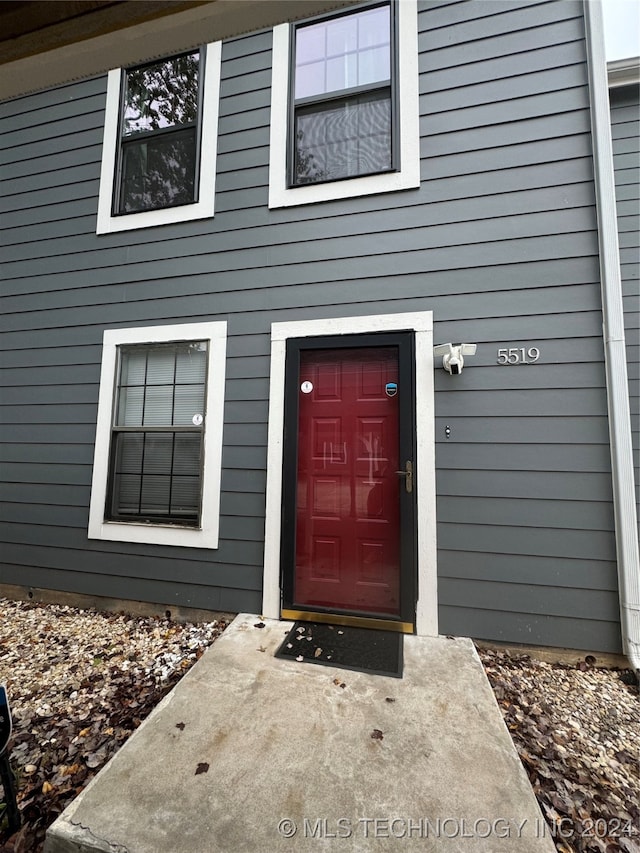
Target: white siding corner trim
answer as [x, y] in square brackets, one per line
[204, 207]
[421, 323]
[157, 534]
[408, 124]
[621, 441]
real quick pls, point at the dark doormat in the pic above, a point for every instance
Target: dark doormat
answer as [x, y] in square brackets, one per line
[361, 649]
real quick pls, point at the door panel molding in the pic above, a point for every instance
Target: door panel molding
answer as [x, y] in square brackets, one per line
[421, 324]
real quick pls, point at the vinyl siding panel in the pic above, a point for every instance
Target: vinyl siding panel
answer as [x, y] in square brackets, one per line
[499, 242]
[625, 126]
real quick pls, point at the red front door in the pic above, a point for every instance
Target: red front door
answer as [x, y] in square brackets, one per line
[347, 525]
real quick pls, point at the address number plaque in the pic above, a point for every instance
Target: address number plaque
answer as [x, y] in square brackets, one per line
[518, 355]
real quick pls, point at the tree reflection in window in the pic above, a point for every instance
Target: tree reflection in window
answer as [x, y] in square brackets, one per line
[159, 139]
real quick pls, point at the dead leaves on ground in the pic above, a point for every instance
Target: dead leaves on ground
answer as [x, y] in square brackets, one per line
[577, 731]
[79, 683]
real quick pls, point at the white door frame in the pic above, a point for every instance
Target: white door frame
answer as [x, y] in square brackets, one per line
[421, 324]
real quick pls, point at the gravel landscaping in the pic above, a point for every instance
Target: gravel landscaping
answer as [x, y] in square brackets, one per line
[81, 681]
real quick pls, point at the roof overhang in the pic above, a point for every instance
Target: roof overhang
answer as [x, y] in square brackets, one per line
[45, 44]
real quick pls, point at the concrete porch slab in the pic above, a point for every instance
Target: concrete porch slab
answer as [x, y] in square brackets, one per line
[253, 753]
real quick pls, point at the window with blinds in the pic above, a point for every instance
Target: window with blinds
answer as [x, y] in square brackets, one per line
[157, 434]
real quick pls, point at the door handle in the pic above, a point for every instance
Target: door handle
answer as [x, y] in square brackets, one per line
[408, 475]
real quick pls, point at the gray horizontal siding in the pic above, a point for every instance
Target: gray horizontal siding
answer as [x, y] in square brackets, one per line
[518, 303]
[625, 128]
[235, 507]
[154, 589]
[565, 572]
[539, 485]
[483, 595]
[499, 242]
[513, 236]
[549, 542]
[505, 512]
[537, 630]
[527, 202]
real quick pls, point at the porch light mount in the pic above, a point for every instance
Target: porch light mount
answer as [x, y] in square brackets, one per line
[453, 356]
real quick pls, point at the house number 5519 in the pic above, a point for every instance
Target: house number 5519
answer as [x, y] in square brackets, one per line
[518, 355]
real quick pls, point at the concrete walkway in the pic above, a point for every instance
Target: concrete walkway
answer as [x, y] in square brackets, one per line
[257, 754]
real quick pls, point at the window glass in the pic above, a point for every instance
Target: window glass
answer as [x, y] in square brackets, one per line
[130, 407]
[156, 472]
[158, 405]
[373, 27]
[191, 363]
[159, 139]
[341, 73]
[373, 65]
[161, 95]
[310, 79]
[158, 172]
[342, 115]
[342, 35]
[161, 366]
[310, 44]
[157, 463]
[343, 139]
[161, 386]
[352, 50]
[133, 367]
[157, 476]
[331, 139]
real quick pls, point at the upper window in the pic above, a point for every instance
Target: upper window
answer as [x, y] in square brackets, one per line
[344, 108]
[158, 163]
[159, 135]
[156, 475]
[343, 99]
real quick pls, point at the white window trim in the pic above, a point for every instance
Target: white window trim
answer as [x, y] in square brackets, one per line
[202, 209]
[421, 323]
[162, 534]
[408, 124]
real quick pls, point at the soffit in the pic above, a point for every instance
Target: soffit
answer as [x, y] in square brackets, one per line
[45, 44]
